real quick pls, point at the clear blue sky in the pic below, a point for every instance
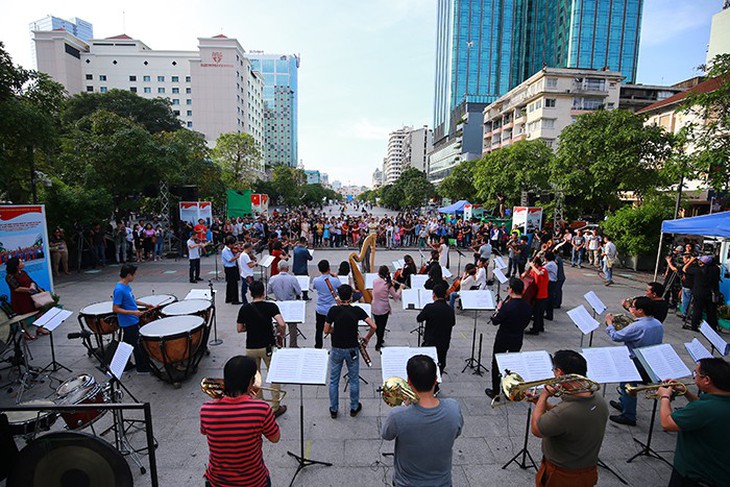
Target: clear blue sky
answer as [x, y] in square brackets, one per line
[367, 66]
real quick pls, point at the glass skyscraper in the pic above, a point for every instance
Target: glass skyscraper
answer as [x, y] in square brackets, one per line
[281, 93]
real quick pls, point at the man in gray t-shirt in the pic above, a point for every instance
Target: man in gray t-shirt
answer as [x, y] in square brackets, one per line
[432, 422]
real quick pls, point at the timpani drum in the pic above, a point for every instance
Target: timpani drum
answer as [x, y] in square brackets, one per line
[158, 301]
[174, 346]
[189, 307]
[82, 389]
[99, 318]
[30, 423]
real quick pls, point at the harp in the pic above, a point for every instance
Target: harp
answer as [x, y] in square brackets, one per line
[361, 263]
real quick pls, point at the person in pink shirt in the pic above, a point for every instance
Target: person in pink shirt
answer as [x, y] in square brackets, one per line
[383, 289]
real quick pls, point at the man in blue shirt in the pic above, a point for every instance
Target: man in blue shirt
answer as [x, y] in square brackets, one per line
[643, 332]
[230, 268]
[300, 257]
[325, 285]
[125, 306]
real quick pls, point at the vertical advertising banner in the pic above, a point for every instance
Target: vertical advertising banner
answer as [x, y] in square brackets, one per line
[527, 219]
[192, 211]
[23, 234]
[259, 203]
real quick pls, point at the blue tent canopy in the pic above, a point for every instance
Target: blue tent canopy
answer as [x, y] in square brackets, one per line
[457, 207]
[714, 225]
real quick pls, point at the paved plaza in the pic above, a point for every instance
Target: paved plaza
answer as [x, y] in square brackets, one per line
[490, 436]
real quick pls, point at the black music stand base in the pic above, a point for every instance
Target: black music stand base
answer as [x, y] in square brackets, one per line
[215, 341]
[419, 331]
[601, 464]
[646, 450]
[301, 459]
[472, 362]
[524, 451]
[54, 366]
[346, 379]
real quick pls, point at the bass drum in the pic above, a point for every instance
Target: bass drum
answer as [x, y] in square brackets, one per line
[65, 458]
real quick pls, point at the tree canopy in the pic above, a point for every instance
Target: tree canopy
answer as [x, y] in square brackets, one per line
[411, 190]
[239, 156]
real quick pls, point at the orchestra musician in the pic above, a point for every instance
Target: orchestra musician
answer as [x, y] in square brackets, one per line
[229, 257]
[285, 287]
[439, 320]
[325, 285]
[572, 431]
[195, 246]
[383, 289]
[233, 426]
[432, 421]
[125, 307]
[255, 319]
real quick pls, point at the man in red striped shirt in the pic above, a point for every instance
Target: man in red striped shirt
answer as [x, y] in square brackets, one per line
[234, 425]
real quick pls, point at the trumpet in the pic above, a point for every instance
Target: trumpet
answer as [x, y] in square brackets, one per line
[214, 388]
[395, 391]
[650, 390]
[515, 389]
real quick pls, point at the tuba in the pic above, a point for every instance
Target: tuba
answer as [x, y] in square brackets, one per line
[214, 388]
[395, 391]
[515, 389]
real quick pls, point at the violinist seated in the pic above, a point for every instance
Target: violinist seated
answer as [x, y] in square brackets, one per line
[467, 282]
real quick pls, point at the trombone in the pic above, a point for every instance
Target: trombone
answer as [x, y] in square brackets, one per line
[515, 389]
[650, 391]
[214, 388]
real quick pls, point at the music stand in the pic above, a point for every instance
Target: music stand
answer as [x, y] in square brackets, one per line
[598, 309]
[716, 341]
[532, 366]
[416, 299]
[394, 361]
[661, 362]
[501, 279]
[458, 267]
[265, 264]
[293, 312]
[584, 322]
[609, 365]
[477, 301]
[52, 319]
[304, 286]
[215, 341]
[300, 366]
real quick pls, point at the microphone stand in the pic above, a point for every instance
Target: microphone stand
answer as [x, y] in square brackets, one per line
[215, 341]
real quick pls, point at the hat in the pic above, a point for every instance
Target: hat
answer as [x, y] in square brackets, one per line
[706, 259]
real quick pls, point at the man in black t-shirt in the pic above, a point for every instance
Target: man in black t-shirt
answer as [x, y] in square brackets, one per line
[440, 319]
[655, 292]
[342, 322]
[256, 318]
[513, 316]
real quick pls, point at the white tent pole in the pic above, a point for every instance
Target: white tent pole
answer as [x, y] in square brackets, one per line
[658, 255]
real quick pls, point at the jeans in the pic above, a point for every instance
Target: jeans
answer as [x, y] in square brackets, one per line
[352, 357]
[100, 254]
[628, 403]
[576, 256]
[452, 299]
[120, 252]
[686, 298]
[608, 271]
[244, 290]
[158, 247]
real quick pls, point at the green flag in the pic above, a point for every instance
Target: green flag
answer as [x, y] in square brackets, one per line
[238, 203]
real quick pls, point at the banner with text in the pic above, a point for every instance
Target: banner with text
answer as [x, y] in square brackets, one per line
[192, 211]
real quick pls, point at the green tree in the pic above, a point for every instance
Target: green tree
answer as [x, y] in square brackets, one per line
[636, 229]
[239, 155]
[391, 196]
[288, 185]
[155, 114]
[606, 153]
[459, 185]
[416, 188]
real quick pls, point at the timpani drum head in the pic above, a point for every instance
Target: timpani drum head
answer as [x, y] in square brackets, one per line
[186, 307]
[175, 325]
[158, 299]
[98, 309]
[65, 459]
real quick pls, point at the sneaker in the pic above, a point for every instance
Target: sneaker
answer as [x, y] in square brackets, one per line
[621, 419]
[616, 405]
[333, 414]
[281, 410]
[355, 412]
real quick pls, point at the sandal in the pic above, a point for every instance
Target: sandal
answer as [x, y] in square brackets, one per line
[28, 337]
[42, 332]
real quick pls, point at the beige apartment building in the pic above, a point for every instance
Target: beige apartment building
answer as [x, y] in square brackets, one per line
[546, 103]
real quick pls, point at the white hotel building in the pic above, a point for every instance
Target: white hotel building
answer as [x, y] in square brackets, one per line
[212, 90]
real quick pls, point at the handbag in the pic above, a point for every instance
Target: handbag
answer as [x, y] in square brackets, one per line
[42, 299]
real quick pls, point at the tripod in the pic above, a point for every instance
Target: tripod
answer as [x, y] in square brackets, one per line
[524, 451]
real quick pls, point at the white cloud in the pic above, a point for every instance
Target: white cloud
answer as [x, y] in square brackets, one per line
[669, 20]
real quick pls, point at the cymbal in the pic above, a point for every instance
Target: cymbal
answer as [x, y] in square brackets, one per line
[18, 319]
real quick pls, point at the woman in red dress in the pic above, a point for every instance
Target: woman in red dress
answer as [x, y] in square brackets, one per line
[21, 288]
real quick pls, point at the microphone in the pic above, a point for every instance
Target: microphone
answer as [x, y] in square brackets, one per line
[81, 334]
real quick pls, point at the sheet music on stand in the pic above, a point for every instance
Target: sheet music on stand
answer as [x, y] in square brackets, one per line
[199, 294]
[292, 311]
[366, 307]
[303, 282]
[418, 281]
[307, 366]
[535, 365]
[266, 261]
[595, 302]
[477, 300]
[369, 279]
[499, 264]
[714, 338]
[53, 318]
[608, 365]
[394, 360]
[583, 319]
[500, 276]
[696, 350]
[662, 362]
[120, 359]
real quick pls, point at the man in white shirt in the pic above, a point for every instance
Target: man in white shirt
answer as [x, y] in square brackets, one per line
[609, 256]
[246, 264]
[194, 247]
[285, 287]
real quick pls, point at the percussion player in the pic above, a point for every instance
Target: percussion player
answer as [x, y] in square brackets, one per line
[439, 320]
[643, 332]
[255, 319]
[432, 421]
[125, 307]
[234, 426]
[572, 431]
[700, 458]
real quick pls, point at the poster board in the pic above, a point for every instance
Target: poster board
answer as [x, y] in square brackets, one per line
[526, 219]
[192, 211]
[259, 203]
[24, 234]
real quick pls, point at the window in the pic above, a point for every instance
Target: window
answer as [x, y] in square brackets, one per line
[552, 83]
[89, 88]
[161, 79]
[190, 113]
[147, 89]
[133, 89]
[188, 101]
[176, 79]
[587, 103]
[102, 89]
[175, 91]
[89, 76]
[594, 84]
[187, 79]
[146, 78]
[176, 113]
[175, 101]
[132, 78]
[160, 90]
[538, 104]
[190, 125]
[188, 90]
[549, 102]
[548, 123]
[102, 77]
